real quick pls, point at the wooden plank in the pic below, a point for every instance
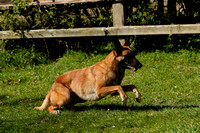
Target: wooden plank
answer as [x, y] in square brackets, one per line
[118, 16]
[47, 2]
[7, 4]
[104, 31]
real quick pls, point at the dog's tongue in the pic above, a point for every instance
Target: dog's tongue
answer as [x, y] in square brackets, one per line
[132, 68]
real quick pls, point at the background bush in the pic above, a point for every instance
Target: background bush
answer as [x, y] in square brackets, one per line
[139, 12]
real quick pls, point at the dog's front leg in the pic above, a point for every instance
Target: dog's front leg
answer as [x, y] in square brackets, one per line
[107, 90]
[135, 91]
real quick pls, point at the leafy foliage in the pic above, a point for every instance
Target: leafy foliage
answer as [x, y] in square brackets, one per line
[139, 12]
[21, 57]
[24, 17]
[144, 13]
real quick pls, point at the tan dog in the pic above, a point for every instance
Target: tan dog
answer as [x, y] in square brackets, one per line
[94, 82]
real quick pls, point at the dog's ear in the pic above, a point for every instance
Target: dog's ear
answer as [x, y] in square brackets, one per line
[118, 47]
[127, 42]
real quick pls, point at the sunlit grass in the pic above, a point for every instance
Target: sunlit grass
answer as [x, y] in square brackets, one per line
[168, 82]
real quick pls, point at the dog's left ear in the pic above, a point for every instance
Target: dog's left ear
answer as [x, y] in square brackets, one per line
[118, 47]
[127, 42]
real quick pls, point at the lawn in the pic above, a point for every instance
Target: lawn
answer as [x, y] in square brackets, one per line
[169, 84]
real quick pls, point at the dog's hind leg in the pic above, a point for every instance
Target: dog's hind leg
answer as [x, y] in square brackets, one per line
[135, 91]
[45, 103]
[52, 109]
[60, 96]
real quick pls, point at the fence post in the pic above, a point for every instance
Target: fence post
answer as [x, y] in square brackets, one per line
[118, 16]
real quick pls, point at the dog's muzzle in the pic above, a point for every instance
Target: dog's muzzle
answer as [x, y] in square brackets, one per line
[133, 67]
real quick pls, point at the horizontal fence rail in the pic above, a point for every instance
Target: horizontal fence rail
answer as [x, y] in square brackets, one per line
[103, 31]
[7, 4]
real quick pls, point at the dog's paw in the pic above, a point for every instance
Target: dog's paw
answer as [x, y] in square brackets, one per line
[138, 100]
[56, 112]
[124, 100]
[137, 96]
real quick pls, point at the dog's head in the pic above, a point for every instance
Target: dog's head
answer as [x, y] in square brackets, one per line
[125, 56]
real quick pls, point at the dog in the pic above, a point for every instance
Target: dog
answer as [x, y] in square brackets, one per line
[94, 82]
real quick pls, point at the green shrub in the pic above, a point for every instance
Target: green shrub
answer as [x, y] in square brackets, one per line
[140, 12]
[21, 58]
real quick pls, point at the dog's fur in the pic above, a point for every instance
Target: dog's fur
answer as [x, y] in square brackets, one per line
[94, 82]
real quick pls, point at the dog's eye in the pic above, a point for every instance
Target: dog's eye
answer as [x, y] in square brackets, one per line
[129, 56]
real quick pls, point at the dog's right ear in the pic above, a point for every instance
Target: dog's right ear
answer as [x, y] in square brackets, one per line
[118, 47]
[127, 42]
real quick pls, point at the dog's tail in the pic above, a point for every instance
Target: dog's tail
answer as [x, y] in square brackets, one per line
[45, 103]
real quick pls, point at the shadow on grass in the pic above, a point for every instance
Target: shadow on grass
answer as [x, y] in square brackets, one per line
[132, 108]
[5, 101]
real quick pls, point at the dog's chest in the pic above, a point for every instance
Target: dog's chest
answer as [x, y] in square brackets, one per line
[114, 78]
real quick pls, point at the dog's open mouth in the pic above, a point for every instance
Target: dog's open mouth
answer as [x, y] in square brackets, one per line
[131, 68]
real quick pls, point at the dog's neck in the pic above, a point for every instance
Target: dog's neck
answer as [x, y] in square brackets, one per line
[114, 64]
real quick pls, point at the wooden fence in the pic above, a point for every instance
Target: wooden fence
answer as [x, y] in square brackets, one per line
[103, 31]
[118, 28]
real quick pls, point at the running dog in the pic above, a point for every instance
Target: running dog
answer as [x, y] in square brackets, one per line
[94, 82]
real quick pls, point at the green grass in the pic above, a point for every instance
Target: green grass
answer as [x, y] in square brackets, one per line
[169, 84]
